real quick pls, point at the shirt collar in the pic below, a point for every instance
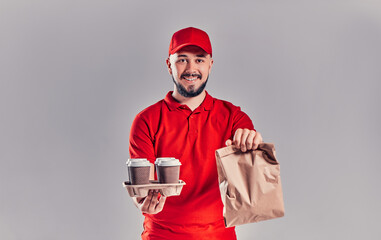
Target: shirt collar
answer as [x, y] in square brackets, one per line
[172, 104]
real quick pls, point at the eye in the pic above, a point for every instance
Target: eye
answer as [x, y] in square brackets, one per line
[200, 60]
[181, 60]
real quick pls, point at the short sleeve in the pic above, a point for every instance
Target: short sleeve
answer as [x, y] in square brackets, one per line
[241, 120]
[141, 141]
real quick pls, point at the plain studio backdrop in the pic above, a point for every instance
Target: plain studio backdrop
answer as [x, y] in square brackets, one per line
[74, 73]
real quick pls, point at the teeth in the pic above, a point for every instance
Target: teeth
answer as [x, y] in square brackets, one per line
[190, 79]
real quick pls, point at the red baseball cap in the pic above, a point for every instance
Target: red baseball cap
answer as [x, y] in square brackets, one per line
[190, 36]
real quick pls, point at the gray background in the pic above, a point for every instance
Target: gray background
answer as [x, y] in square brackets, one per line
[74, 73]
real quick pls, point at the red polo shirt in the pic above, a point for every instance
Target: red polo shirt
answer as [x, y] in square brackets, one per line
[169, 129]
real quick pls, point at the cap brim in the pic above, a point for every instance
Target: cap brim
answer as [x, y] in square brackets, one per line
[175, 50]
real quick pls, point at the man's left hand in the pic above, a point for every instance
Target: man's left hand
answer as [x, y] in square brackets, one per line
[245, 139]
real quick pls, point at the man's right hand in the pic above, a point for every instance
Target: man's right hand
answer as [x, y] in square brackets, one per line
[150, 204]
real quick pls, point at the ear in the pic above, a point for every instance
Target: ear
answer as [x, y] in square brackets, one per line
[210, 65]
[169, 66]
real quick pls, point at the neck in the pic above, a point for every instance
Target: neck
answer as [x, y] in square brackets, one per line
[192, 102]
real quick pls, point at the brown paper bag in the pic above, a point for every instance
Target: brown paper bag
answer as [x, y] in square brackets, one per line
[250, 184]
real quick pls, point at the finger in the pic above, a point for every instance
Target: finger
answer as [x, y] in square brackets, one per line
[160, 204]
[237, 137]
[244, 136]
[144, 207]
[228, 142]
[257, 140]
[153, 202]
[140, 199]
[250, 140]
[260, 138]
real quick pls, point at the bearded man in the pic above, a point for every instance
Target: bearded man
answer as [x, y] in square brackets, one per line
[189, 125]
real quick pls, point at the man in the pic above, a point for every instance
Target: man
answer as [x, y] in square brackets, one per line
[190, 125]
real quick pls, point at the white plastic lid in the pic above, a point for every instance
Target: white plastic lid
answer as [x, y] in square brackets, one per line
[138, 162]
[167, 162]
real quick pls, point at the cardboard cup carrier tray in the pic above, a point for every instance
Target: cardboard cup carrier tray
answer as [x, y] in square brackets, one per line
[165, 189]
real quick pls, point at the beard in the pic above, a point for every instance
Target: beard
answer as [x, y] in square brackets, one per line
[192, 92]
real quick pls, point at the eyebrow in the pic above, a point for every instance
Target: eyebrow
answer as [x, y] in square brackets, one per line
[198, 55]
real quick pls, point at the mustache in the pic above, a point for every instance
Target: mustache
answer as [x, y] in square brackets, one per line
[190, 75]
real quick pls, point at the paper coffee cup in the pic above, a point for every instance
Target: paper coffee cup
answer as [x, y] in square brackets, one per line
[168, 170]
[138, 171]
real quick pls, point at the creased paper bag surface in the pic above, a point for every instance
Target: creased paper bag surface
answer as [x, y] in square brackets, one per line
[250, 185]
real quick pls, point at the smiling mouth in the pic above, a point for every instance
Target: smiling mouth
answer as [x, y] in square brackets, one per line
[191, 77]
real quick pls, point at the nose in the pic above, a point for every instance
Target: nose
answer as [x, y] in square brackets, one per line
[191, 67]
